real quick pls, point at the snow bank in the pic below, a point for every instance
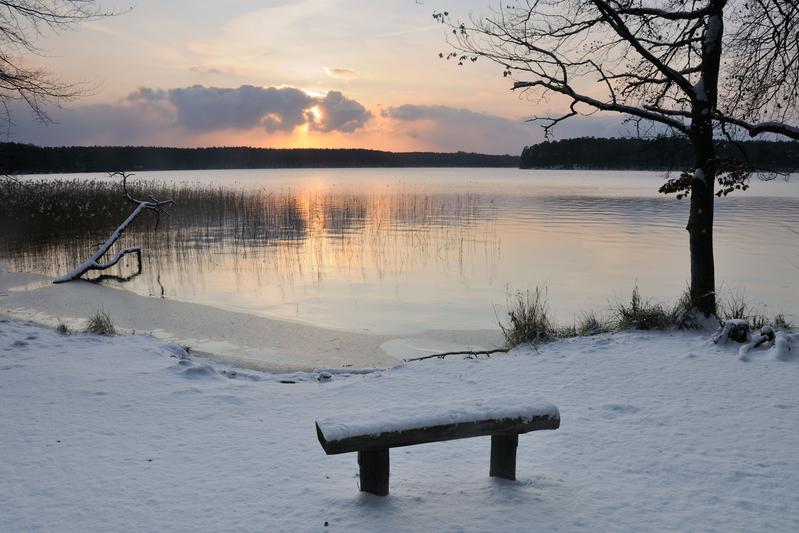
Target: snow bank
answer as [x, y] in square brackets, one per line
[665, 432]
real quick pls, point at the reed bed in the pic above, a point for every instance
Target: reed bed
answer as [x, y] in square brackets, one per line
[49, 225]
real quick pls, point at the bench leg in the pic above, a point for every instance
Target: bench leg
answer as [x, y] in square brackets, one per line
[374, 471]
[503, 456]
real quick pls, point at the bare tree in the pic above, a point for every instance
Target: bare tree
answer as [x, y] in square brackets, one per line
[22, 22]
[699, 68]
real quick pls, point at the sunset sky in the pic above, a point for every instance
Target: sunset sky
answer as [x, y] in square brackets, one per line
[316, 73]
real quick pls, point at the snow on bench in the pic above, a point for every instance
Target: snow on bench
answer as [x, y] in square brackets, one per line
[373, 433]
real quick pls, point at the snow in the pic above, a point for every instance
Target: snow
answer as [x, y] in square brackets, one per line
[785, 347]
[711, 43]
[715, 27]
[661, 431]
[398, 419]
[699, 175]
[777, 127]
[732, 329]
[699, 89]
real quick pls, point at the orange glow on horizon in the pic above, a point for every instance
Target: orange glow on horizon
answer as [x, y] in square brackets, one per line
[380, 134]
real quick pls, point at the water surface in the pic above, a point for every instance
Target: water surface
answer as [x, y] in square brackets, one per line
[406, 250]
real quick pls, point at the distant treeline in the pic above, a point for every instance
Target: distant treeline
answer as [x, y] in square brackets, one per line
[655, 154]
[18, 158]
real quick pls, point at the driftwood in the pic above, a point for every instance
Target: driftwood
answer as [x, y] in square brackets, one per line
[466, 352]
[93, 263]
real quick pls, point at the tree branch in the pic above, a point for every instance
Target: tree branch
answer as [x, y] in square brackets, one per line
[467, 352]
[759, 128]
[93, 263]
[661, 13]
[615, 21]
[605, 106]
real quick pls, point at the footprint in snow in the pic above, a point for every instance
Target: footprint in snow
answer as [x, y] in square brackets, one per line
[614, 409]
[598, 345]
[200, 372]
[189, 391]
[228, 399]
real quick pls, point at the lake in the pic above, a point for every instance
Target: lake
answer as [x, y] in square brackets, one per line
[406, 250]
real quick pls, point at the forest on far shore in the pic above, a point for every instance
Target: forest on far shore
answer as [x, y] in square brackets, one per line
[673, 153]
[18, 158]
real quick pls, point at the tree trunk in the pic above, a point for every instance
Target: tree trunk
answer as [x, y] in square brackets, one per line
[700, 221]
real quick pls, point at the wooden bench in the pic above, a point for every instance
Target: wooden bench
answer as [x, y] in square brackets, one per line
[372, 434]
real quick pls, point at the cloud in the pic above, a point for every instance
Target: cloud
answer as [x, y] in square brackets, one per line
[200, 115]
[208, 70]
[339, 113]
[147, 95]
[274, 109]
[202, 108]
[449, 129]
[191, 115]
[342, 73]
[101, 124]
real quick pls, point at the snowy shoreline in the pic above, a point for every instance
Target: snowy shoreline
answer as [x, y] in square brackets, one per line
[660, 431]
[245, 340]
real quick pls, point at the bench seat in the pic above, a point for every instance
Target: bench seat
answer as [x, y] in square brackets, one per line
[372, 434]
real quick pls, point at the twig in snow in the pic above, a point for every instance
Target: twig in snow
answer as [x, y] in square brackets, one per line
[466, 352]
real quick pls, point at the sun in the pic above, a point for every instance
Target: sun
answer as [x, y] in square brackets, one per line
[316, 113]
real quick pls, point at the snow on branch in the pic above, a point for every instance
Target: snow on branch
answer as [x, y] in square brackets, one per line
[93, 263]
[760, 127]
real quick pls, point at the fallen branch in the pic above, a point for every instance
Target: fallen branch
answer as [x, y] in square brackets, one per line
[467, 352]
[93, 263]
[121, 279]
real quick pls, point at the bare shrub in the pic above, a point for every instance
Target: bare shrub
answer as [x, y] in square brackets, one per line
[684, 314]
[640, 314]
[734, 306]
[101, 324]
[528, 320]
[780, 322]
[591, 323]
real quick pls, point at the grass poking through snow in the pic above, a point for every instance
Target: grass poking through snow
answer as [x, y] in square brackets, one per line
[591, 323]
[101, 324]
[640, 314]
[528, 320]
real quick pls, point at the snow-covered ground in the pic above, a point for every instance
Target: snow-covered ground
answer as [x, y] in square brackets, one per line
[659, 431]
